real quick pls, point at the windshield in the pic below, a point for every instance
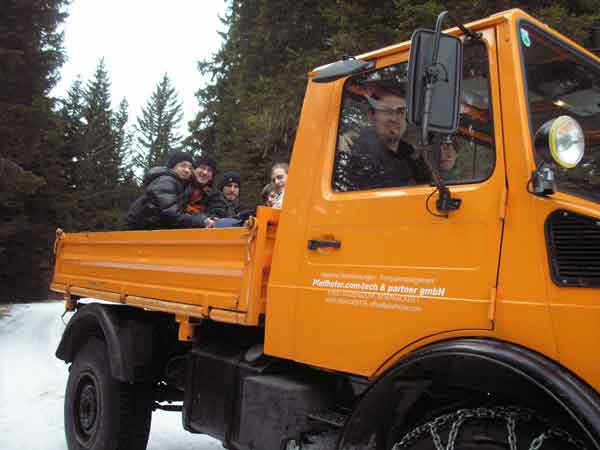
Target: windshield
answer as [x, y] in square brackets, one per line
[561, 82]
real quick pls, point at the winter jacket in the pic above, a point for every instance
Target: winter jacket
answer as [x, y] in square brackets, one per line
[219, 206]
[163, 203]
[372, 165]
[199, 199]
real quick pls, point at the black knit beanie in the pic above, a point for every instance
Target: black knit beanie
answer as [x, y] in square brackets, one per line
[230, 177]
[177, 157]
[207, 161]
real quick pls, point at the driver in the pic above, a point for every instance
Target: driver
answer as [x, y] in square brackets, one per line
[380, 157]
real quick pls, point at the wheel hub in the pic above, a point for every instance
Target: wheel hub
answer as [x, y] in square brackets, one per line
[87, 407]
[86, 410]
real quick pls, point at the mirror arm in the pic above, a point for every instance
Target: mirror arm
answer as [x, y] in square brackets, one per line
[438, 32]
[426, 111]
[431, 76]
[446, 202]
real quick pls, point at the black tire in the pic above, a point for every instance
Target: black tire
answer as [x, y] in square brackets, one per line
[102, 413]
[490, 433]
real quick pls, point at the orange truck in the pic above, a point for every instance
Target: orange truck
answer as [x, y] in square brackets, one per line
[431, 282]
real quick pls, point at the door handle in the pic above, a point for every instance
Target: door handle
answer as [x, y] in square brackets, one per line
[314, 244]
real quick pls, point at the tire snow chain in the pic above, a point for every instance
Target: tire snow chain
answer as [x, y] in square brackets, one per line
[510, 414]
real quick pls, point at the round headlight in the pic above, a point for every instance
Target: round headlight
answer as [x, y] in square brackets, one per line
[561, 140]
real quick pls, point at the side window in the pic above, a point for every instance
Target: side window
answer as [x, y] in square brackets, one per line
[376, 148]
[476, 155]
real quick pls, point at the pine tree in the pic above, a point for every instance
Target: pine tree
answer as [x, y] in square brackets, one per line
[124, 136]
[101, 157]
[99, 162]
[248, 115]
[71, 114]
[30, 167]
[157, 127]
[129, 187]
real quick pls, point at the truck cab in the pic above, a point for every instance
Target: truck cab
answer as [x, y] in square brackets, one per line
[369, 312]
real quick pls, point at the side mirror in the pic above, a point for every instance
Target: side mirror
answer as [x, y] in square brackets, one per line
[439, 71]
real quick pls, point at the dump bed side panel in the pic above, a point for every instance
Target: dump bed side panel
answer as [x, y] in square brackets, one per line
[201, 269]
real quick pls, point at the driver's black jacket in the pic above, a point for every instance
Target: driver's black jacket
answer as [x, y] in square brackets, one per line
[371, 165]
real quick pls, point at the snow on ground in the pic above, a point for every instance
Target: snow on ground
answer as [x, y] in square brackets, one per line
[32, 386]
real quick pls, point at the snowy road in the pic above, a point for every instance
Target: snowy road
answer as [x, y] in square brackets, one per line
[32, 384]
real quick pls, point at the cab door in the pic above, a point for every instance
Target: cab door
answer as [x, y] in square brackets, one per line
[381, 268]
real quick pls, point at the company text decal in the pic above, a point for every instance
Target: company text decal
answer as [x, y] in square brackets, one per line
[379, 292]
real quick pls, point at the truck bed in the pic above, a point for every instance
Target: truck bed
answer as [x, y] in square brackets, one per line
[220, 274]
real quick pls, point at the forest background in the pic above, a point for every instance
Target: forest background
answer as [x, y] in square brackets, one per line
[76, 163]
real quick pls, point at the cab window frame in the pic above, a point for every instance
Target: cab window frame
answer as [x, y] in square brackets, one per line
[484, 147]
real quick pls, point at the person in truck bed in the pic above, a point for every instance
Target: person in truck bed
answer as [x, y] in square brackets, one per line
[226, 202]
[268, 195]
[167, 191]
[204, 172]
[279, 174]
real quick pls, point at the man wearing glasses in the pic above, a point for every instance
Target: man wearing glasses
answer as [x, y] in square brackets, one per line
[379, 157]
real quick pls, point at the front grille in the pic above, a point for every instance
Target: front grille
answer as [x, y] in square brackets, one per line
[573, 249]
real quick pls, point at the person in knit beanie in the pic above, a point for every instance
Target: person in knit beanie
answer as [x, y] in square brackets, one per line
[167, 191]
[205, 169]
[226, 202]
[178, 157]
[208, 163]
[232, 180]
